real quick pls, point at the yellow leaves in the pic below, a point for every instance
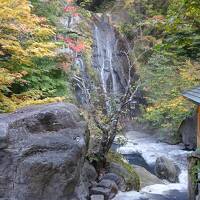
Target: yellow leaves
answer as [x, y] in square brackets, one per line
[41, 49]
[44, 32]
[23, 35]
[13, 47]
[26, 99]
[33, 97]
[168, 113]
[7, 78]
[17, 12]
[128, 3]
[191, 72]
[30, 101]
[6, 105]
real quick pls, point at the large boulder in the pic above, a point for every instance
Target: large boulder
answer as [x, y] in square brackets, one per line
[105, 187]
[130, 177]
[42, 151]
[117, 179]
[147, 178]
[167, 169]
[188, 131]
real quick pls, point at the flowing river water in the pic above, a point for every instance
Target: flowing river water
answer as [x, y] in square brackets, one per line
[150, 149]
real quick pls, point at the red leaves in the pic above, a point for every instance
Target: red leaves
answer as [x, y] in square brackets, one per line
[69, 40]
[70, 9]
[74, 44]
[77, 47]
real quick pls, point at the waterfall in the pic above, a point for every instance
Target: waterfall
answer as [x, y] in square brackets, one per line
[106, 58]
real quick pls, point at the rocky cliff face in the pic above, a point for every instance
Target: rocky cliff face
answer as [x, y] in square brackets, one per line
[188, 132]
[109, 57]
[42, 151]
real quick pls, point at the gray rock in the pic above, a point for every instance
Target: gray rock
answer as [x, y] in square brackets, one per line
[105, 183]
[89, 172]
[166, 169]
[107, 41]
[43, 151]
[108, 193]
[188, 130]
[105, 187]
[97, 197]
[117, 179]
[3, 136]
[131, 182]
[147, 178]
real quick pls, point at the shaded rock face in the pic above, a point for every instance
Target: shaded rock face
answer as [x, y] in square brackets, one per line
[42, 153]
[188, 131]
[130, 181]
[166, 169]
[108, 57]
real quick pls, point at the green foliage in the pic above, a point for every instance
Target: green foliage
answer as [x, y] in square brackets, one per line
[163, 81]
[182, 28]
[194, 172]
[132, 179]
[167, 49]
[94, 5]
[45, 77]
[51, 10]
[30, 70]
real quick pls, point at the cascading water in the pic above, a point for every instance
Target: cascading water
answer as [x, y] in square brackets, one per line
[107, 59]
[149, 147]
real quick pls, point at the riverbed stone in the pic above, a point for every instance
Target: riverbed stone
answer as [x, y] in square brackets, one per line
[42, 153]
[105, 183]
[97, 197]
[167, 169]
[108, 193]
[147, 178]
[117, 179]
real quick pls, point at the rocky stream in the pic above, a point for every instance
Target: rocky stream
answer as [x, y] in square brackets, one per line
[144, 149]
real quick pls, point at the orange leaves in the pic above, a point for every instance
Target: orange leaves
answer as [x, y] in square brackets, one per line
[75, 45]
[70, 9]
[158, 17]
[7, 78]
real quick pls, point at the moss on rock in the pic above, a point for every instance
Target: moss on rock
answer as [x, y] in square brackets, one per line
[118, 165]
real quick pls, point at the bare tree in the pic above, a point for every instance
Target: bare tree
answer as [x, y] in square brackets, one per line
[109, 128]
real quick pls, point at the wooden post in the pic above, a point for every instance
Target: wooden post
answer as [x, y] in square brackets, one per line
[191, 183]
[198, 127]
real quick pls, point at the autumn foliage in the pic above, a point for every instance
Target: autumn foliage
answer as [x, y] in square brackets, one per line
[75, 45]
[24, 37]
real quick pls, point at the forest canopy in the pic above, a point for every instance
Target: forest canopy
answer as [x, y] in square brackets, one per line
[28, 66]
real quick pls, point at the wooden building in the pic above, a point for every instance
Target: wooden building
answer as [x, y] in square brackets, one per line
[194, 96]
[194, 158]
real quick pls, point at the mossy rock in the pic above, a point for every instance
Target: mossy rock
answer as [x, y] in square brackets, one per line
[118, 165]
